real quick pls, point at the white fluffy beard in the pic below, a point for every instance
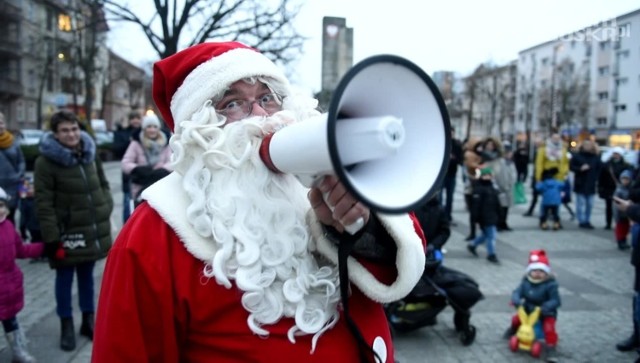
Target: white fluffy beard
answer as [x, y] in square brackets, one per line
[256, 219]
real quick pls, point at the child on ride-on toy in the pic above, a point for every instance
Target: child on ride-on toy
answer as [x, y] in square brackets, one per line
[538, 288]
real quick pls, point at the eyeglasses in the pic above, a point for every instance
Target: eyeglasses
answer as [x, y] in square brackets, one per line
[238, 109]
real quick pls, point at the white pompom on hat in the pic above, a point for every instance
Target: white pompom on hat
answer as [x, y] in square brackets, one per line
[150, 120]
[183, 82]
[538, 260]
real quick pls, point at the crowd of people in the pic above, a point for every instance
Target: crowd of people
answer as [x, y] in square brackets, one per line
[494, 174]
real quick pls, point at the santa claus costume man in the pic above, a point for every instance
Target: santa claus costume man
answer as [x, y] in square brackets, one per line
[226, 261]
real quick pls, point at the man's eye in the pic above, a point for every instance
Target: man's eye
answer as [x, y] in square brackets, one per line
[233, 105]
[267, 98]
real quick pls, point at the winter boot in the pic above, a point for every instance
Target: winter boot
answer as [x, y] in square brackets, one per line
[632, 342]
[86, 329]
[67, 335]
[551, 354]
[18, 344]
[623, 245]
[511, 331]
[629, 344]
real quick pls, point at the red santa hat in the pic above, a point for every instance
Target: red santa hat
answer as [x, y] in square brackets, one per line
[538, 260]
[184, 81]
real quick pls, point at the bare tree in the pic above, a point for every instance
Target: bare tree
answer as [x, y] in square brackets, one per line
[572, 95]
[265, 27]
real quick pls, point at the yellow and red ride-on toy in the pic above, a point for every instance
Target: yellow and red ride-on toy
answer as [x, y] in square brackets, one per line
[529, 335]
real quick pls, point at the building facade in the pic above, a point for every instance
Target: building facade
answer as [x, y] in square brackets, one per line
[584, 84]
[53, 55]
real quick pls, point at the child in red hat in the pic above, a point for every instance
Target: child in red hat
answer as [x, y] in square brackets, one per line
[538, 288]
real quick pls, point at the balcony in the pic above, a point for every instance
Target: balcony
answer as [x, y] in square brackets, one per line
[10, 9]
[10, 88]
[9, 48]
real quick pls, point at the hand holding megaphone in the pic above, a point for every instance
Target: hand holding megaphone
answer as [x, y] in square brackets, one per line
[335, 206]
[385, 141]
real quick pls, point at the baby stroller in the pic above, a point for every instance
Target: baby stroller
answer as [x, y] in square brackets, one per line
[438, 287]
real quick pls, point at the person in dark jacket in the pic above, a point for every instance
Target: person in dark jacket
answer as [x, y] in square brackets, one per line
[521, 161]
[608, 181]
[121, 139]
[486, 211]
[12, 167]
[449, 184]
[586, 166]
[73, 204]
[631, 208]
[462, 291]
[538, 288]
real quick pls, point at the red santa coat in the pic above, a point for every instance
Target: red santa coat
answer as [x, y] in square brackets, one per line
[156, 305]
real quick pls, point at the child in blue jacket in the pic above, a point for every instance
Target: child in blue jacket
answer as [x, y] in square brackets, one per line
[551, 190]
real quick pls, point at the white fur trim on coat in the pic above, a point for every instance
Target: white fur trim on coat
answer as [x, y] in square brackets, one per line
[410, 259]
[410, 256]
[218, 73]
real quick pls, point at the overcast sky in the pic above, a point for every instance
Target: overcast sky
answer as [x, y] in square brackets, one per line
[453, 35]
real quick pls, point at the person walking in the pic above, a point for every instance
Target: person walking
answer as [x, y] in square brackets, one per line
[12, 167]
[486, 209]
[473, 162]
[73, 203]
[586, 166]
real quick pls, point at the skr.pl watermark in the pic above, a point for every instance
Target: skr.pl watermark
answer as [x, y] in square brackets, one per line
[605, 30]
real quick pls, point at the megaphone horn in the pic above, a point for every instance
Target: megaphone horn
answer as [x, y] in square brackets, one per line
[386, 136]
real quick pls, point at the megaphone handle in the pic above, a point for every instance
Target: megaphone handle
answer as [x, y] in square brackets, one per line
[354, 227]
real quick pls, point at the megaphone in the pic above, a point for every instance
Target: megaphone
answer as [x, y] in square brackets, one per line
[386, 135]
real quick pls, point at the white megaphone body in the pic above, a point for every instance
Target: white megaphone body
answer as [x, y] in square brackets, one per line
[386, 136]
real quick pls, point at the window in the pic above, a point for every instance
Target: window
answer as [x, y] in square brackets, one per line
[601, 120]
[620, 108]
[624, 30]
[603, 95]
[621, 81]
[49, 19]
[544, 61]
[604, 45]
[603, 71]
[64, 22]
[623, 54]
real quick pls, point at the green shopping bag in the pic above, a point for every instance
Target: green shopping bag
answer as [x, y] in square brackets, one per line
[519, 195]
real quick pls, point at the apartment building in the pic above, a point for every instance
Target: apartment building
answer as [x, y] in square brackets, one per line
[585, 84]
[52, 55]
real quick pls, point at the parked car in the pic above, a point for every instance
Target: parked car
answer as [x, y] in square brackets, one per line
[104, 138]
[31, 136]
